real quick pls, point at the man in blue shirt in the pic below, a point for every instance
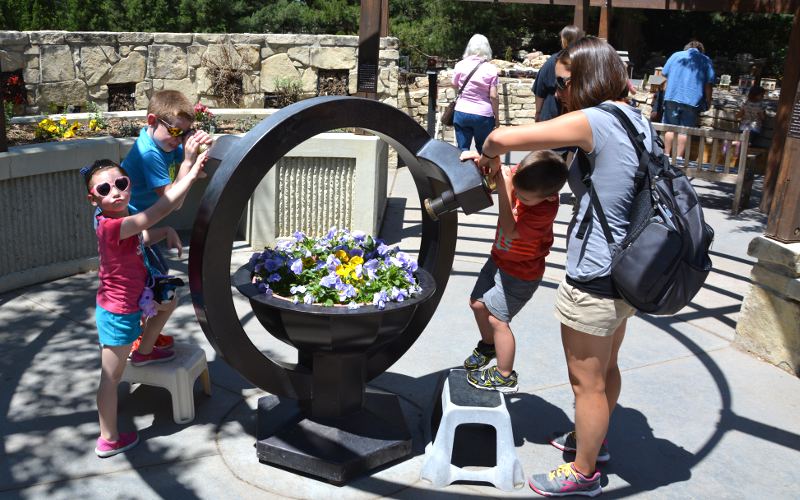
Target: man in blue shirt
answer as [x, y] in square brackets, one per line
[690, 75]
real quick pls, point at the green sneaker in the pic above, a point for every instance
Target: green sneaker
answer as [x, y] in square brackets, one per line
[480, 357]
[491, 379]
[568, 444]
[564, 481]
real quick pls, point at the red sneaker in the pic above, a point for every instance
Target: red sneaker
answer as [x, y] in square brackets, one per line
[162, 342]
[126, 441]
[135, 345]
[157, 356]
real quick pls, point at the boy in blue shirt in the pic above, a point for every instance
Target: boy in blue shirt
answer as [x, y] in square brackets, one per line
[163, 154]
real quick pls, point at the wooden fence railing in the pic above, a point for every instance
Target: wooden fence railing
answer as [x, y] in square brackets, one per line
[716, 156]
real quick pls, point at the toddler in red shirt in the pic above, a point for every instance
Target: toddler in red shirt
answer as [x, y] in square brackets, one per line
[528, 204]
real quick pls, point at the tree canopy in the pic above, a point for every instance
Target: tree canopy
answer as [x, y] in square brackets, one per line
[424, 27]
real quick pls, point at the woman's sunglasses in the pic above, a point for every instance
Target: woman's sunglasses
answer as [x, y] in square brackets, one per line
[561, 82]
[175, 131]
[122, 183]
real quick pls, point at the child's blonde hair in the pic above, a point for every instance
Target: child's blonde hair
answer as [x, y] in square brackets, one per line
[541, 172]
[170, 104]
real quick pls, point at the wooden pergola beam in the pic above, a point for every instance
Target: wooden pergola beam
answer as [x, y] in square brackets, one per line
[756, 6]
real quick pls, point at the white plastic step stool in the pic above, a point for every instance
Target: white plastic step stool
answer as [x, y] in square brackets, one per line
[464, 404]
[177, 376]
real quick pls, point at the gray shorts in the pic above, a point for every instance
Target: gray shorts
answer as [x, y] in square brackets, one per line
[502, 294]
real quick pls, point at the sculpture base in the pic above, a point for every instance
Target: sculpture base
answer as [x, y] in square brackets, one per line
[332, 449]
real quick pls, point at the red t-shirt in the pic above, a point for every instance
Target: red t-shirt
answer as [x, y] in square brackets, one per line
[523, 257]
[122, 272]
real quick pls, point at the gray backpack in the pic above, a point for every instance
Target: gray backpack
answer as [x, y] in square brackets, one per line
[663, 261]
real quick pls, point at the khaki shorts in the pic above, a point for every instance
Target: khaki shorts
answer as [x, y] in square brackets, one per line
[589, 313]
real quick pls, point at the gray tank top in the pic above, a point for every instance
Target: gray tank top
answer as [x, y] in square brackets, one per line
[614, 165]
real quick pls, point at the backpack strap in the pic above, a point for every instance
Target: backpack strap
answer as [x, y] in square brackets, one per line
[637, 140]
[594, 204]
[469, 76]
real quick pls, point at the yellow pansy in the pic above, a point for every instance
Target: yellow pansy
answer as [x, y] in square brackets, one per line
[92, 124]
[69, 134]
[342, 255]
[63, 120]
[356, 260]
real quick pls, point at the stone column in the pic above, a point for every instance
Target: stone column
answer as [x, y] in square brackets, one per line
[769, 322]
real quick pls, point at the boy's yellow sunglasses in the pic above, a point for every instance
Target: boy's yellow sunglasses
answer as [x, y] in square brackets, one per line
[175, 131]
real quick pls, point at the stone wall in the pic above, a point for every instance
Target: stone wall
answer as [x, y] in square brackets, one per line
[517, 102]
[769, 322]
[75, 68]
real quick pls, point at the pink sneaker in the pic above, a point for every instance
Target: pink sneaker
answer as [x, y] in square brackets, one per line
[125, 442]
[157, 356]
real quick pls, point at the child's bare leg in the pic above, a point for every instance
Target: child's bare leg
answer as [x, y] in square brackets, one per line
[504, 345]
[112, 364]
[482, 318]
[153, 326]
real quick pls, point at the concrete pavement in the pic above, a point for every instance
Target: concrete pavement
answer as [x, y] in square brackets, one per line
[697, 418]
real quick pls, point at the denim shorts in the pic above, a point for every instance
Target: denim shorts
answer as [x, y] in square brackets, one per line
[677, 113]
[502, 294]
[117, 329]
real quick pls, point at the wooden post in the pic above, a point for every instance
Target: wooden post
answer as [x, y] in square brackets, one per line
[369, 42]
[582, 14]
[604, 30]
[384, 18]
[784, 215]
[791, 75]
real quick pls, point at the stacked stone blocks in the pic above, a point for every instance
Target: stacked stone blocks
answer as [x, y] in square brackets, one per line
[75, 68]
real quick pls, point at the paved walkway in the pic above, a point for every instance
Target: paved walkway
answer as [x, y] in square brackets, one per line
[697, 418]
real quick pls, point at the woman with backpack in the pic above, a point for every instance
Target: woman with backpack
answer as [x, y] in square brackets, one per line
[592, 314]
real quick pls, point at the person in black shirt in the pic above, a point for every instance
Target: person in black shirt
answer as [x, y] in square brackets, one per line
[544, 87]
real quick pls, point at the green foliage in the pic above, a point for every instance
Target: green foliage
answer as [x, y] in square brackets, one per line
[245, 124]
[97, 119]
[429, 28]
[336, 17]
[287, 91]
[8, 110]
[724, 35]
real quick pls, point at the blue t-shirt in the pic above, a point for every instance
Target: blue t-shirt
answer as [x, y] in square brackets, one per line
[687, 72]
[148, 167]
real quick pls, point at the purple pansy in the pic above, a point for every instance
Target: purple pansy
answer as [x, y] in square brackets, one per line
[329, 281]
[296, 266]
[379, 299]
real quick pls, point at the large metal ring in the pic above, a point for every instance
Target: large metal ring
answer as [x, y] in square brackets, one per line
[225, 199]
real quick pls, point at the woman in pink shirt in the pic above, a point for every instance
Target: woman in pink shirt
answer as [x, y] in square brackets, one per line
[476, 113]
